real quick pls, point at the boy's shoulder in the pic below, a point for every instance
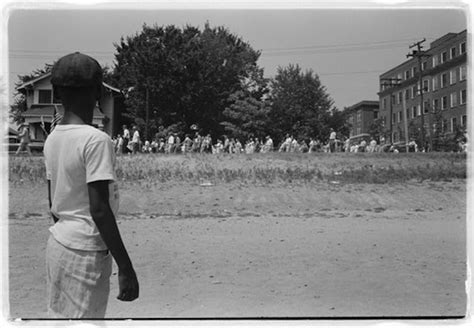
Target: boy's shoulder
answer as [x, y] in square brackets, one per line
[85, 133]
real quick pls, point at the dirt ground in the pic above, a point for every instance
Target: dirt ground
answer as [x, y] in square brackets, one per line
[271, 251]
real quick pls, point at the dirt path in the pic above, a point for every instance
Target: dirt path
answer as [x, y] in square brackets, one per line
[278, 251]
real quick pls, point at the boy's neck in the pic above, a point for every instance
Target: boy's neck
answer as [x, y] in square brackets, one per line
[70, 117]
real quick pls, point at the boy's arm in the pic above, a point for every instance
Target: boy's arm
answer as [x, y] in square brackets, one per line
[55, 219]
[106, 224]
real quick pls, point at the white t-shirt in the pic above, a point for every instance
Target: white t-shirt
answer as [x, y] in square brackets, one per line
[126, 134]
[136, 137]
[74, 156]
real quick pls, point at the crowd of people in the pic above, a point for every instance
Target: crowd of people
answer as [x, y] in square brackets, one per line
[130, 142]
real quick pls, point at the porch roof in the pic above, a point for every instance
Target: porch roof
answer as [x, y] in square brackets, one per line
[44, 76]
[38, 111]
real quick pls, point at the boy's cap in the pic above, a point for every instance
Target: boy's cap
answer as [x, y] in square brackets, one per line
[76, 70]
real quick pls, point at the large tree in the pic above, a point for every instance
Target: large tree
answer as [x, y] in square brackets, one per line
[300, 104]
[183, 76]
[247, 114]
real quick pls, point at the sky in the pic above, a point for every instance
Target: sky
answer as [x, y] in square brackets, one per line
[347, 48]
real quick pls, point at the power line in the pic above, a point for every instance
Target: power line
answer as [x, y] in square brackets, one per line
[301, 50]
[343, 45]
[288, 52]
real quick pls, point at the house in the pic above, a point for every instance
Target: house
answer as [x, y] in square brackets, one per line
[42, 104]
[361, 116]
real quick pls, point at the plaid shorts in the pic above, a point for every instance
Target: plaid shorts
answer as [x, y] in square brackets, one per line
[78, 282]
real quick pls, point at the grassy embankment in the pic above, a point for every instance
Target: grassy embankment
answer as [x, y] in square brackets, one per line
[269, 168]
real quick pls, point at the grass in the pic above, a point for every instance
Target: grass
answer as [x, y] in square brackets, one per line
[269, 168]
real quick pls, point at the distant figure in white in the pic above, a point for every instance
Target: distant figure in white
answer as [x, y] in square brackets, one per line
[24, 139]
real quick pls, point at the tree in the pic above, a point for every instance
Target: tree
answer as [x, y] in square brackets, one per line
[337, 121]
[377, 129]
[247, 114]
[187, 73]
[300, 104]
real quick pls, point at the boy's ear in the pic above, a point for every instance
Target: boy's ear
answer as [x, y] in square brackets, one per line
[99, 91]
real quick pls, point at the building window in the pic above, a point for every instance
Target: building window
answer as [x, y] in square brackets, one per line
[407, 94]
[434, 83]
[464, 121]
[384, 103]
[444, 102]
[414, 91]
[463, 97]
[462, 48]
[453, 52]
[407, 113]
[399, 117]
[444, 57]
[444, 80]
[453, 124]
[400, 97]
[407, 75]
[414, 70]
[426, 106]
[426, 86]
[418, 110]
[435, 60]
[435, 104]
[444, 125]
[44, 96]
[462, 73]
[424, 66]
[394, 118]
[413, 112]
[452, 76]
[453, 98]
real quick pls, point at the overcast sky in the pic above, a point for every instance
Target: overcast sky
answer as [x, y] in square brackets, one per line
[347, 48]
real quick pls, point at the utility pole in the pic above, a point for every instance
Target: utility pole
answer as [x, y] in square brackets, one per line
[420, 54]
[391, 83]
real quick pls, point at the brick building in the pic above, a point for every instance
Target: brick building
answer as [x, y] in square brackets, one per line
[361, 115]
[444, 76]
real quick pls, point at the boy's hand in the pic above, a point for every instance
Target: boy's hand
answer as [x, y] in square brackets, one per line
[128, 286]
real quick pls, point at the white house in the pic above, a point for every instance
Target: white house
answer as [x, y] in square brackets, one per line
[42, 104]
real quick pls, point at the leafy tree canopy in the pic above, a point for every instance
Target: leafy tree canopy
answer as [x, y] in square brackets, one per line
[247, 115]
[187, 73]
[301, 105]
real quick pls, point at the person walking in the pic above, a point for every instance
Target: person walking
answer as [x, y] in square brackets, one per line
[332, 141]
[135, 140]
[83, 200]
[126, 140]
[24, 139]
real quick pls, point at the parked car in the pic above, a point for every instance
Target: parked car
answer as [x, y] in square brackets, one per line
[399, 146]
[12, 142]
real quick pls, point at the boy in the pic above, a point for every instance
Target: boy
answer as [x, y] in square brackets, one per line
[83, 199]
